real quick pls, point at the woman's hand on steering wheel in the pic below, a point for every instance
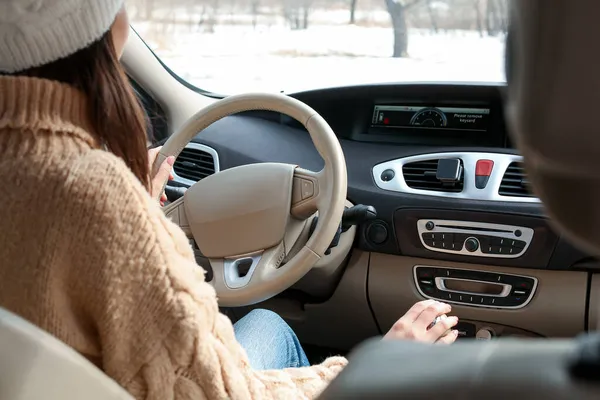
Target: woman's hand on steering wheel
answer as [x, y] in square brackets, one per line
[417, 323]
[164, 173]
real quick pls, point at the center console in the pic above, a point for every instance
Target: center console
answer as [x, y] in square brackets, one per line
[474, 288]
[474, 238]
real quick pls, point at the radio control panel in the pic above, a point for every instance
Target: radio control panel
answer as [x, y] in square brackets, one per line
[474, 288]
[474, 238]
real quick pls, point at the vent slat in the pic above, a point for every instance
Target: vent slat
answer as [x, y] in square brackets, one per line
[514, 182]
[194, 164]
[422, 175]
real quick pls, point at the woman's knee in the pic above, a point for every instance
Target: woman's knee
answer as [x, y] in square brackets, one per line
[266, 320]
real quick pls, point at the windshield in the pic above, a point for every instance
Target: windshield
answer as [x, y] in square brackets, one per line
[236, 46]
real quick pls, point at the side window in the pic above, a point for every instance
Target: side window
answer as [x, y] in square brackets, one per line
[158, 129]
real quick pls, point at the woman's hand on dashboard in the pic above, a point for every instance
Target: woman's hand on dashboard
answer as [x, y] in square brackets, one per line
[421, 324]
[164, 173]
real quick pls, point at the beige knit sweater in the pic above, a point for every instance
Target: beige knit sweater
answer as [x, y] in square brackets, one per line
[88, 256]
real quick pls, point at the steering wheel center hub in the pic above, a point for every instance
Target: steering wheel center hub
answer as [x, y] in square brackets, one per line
[241, 210]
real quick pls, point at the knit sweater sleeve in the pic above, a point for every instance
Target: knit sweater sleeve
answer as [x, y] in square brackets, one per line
[157, 320]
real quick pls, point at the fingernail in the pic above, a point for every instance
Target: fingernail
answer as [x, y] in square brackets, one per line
[455, 332]
[171, 160]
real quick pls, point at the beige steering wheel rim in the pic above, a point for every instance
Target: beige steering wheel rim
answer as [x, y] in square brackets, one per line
[266, 276]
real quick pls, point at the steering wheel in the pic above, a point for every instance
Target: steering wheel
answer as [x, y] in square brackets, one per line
[248, 220]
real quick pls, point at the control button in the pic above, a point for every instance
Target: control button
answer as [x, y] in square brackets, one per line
[518, 233]
[500, 241]
[484, 241]
[483, 170]
[510, 301]
[447, 237]
[308, 189]
[424, 273]
[524, 285]
[429, 290]
[484, 334]
[518, 244]
[377, 233]
[496, 250]
[456, 246]
[481, 181]
[460, 238]
[471, 244]
[442, 295]
[490, 301]
[509, 250]
[427, 236]
[429, 225]
[388, 175]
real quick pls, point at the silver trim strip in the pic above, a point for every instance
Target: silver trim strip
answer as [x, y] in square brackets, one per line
[233, 280]
[440, 283]
[206, 149]
[486, 229]
[525, 303]
[490, 193]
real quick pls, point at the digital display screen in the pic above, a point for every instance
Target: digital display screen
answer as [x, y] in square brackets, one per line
[424, 117]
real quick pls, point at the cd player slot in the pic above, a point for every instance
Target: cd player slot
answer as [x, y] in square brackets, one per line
[470, 228]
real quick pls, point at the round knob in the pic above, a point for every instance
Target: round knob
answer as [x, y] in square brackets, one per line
[377, 233]
[472, 244]
[518, 233]
[429, 225]
[388, 175]
[484, 334]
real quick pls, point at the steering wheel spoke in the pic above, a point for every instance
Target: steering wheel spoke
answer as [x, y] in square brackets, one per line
[175, 211]
[306, 192]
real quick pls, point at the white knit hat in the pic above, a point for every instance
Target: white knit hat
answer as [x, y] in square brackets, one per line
[37, 32]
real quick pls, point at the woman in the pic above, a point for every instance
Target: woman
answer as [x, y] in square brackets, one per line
[86, 252]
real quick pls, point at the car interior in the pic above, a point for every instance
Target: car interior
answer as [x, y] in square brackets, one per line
[479, 195]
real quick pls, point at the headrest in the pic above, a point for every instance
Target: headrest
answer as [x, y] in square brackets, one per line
[553, 109]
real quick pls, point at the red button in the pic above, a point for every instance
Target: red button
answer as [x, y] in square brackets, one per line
[484, 167]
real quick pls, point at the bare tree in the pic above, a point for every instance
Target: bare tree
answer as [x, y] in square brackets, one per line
[353, 11]
[478, 16]
[255, 5]
[432, 16]
[397, 10]
[297, 13]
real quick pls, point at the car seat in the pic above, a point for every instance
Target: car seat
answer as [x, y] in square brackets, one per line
[35, 365]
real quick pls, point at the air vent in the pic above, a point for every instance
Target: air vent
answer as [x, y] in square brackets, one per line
[514, 183]
[422, 175]
[194, 164]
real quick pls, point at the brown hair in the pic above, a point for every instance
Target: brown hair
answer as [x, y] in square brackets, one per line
[115, 111]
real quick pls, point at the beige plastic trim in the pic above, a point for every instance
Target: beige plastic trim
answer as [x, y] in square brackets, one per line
[341, 322]
[178, 101]
[36, 365]
[594, 316]
[556, 310]
[210, 212]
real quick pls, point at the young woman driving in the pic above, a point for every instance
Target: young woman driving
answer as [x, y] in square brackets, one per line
[86, 253]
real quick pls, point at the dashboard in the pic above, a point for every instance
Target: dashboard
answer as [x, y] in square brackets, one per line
[417, 153]
[456, 219]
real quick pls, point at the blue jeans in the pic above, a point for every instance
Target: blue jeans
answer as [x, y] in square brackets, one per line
[269, 341]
